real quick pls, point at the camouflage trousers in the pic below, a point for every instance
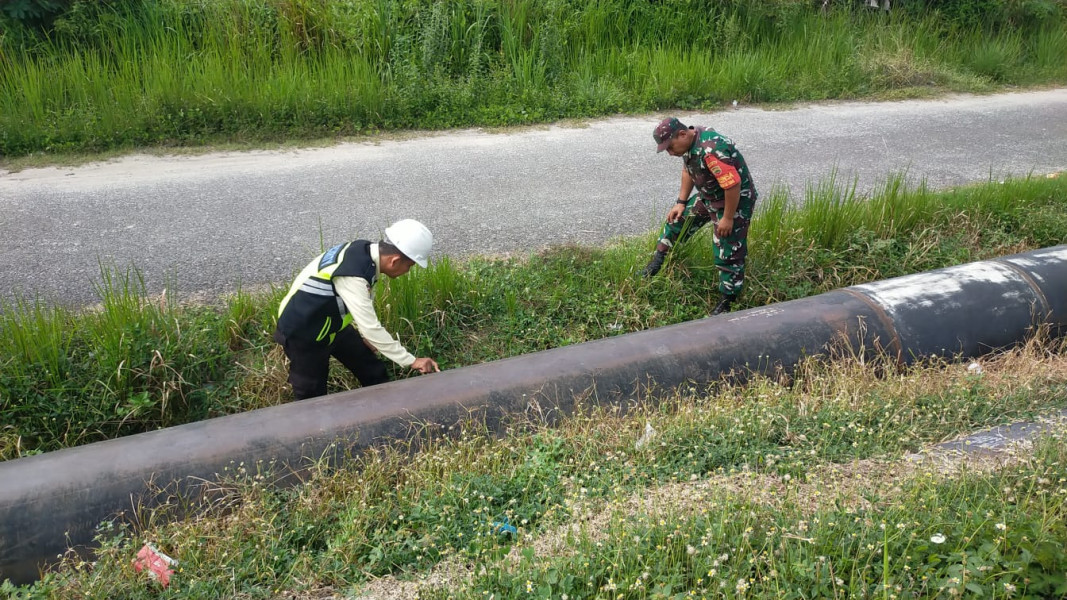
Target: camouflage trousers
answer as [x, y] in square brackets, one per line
[730, 251]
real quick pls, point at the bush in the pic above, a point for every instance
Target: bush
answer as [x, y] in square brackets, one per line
[997, 14]
[34, 13]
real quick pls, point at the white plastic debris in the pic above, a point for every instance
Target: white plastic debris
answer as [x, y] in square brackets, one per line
[646, 437]
[974, 368]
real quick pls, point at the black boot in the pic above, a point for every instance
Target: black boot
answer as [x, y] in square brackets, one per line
[655, 264]
[723, 306]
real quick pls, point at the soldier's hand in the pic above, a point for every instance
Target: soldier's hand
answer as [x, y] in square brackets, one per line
[425, 365]
[675, 214]
[723, 227]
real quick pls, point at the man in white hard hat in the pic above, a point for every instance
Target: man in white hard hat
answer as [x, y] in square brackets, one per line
[334, 291]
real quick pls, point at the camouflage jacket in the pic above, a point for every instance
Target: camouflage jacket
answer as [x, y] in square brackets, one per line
[714, 165]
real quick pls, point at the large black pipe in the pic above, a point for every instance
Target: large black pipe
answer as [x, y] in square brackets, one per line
[50, 501]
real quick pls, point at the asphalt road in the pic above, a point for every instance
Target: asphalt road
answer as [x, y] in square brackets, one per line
[208, 224]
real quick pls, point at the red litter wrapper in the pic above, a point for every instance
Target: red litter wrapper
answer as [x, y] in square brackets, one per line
[156, 563]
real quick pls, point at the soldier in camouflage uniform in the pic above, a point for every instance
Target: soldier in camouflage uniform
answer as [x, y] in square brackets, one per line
[724, 195]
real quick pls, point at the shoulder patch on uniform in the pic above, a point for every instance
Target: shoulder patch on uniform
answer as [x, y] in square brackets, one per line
[724, 173]
[330, 256]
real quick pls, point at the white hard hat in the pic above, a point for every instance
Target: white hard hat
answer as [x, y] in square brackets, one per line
[411, 238]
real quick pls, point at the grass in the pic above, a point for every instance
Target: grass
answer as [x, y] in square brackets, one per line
[764, 490]
[136, 363]
[181, 72]
[975, 533]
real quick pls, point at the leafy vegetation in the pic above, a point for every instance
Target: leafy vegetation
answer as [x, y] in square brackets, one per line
[87, 76]
[136, 363]
[762, 490]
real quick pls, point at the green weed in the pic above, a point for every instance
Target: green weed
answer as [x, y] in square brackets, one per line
[760, 489]
[173, 72]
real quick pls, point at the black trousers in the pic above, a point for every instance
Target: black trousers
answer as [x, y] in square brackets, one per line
[309, 362]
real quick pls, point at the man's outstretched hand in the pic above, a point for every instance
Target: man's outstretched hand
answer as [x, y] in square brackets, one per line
[425, 365]
[675, 213]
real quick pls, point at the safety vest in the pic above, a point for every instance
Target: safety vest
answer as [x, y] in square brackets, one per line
[312, 310]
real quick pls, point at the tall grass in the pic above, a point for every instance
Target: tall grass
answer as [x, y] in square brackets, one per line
[132, 364]
[137, 362]
[184, 71]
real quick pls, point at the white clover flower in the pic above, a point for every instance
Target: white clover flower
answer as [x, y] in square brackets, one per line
[937, 538]
[1001, 526]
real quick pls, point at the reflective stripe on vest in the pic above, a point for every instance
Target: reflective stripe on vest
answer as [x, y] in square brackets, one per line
[316, 279]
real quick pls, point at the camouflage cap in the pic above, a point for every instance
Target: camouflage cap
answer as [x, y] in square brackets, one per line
[665, 131]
